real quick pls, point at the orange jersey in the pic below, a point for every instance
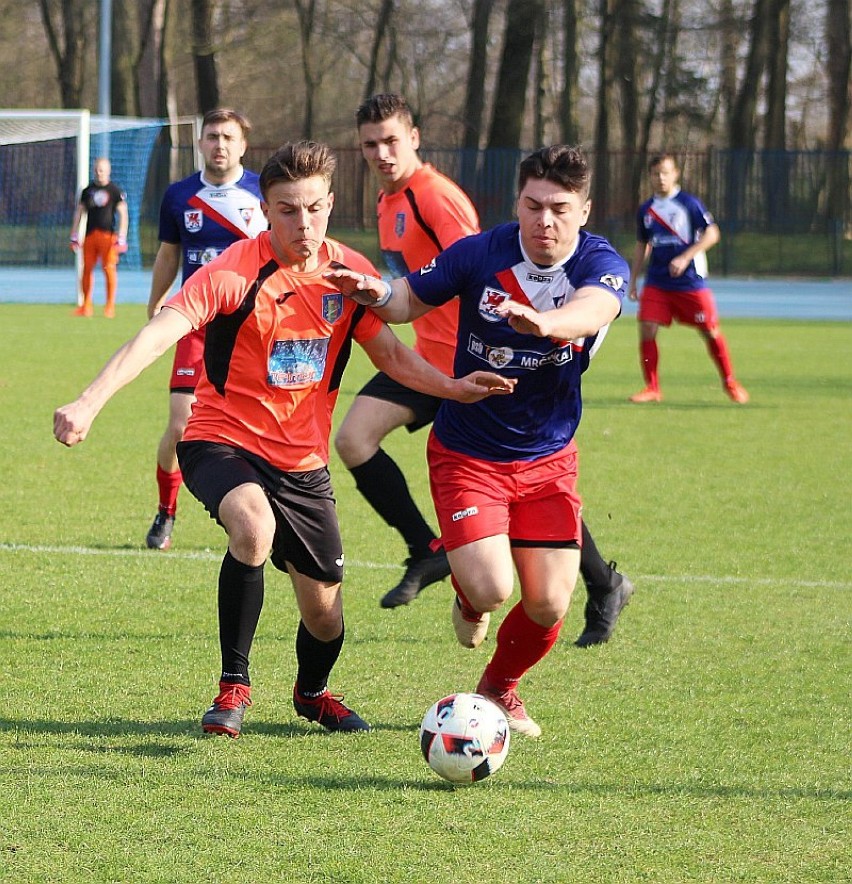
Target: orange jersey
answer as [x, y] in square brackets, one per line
[275, 347]
[415, 225]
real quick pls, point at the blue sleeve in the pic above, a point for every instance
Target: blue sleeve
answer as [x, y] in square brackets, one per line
[606, 269]
[641, 233]
[443, 277]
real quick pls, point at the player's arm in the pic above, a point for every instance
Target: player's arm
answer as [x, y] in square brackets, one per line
[166, 265]
[588, 311]
[393, 301]
[640, 255]
[74, 238]
[679, 264]
[71, 423]
[411, 370]
[123, 223]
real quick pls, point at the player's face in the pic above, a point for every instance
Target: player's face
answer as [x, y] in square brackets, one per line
[550, 219]
[222, 145]
[102, 172]
[390, 149]
[664, 177]
[298, 213]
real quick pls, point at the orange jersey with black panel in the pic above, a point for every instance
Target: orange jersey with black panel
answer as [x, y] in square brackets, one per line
[415, 224]
[275, 347]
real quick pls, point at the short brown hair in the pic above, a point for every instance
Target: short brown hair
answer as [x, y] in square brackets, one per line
[658, 158]
[382, 107]
[561, 163]
[296, 160]
[227, 115]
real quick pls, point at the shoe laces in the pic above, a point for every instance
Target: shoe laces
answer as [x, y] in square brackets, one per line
[231, 696]
[329, 705]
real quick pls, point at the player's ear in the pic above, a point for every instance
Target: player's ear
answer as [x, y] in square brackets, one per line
[264, 207]
[415, 137]
[330, 200]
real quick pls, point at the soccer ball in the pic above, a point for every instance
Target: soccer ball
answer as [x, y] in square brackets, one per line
[464, 738]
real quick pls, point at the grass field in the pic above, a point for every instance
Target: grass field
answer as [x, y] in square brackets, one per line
[708, 741]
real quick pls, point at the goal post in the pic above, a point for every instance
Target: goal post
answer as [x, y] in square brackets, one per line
[46, 159]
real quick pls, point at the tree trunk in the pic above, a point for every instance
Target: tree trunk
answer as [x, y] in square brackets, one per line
[569, 126]
[839, 67]
[306, 11]
[382, 23]
[775, 137]
[600, 182]
[204, 55]
[511, 95]
[474, 102]
[123, 91]
[64, 24]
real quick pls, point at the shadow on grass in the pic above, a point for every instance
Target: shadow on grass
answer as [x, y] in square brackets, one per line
[158, 749]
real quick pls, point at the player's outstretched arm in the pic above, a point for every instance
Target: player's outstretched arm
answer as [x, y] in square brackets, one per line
[410, 369]
[588, 311]
[72, 422]
[393, 301]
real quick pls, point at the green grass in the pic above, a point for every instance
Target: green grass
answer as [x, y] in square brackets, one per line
[708, 741]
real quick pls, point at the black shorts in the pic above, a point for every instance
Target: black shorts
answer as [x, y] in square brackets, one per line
[307, 533]
[425, 407]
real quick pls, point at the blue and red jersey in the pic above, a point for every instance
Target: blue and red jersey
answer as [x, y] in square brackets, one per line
[207, 218]
[672, 224]
[541, 416]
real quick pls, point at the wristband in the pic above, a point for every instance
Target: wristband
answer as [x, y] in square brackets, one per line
[385, 297]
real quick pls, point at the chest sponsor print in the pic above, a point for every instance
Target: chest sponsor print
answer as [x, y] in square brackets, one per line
[297, 363]
[527, 360]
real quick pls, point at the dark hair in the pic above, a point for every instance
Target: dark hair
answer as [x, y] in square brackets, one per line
[658, 158]
[297, 160]
[561, 163]
[382, 107]
[227, 115]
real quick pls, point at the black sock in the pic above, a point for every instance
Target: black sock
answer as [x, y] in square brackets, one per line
[240, 603]
[384, 487]
[316, 659]
[597, 574]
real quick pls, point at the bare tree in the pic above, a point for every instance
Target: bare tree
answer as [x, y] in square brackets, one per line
[569, 125]
[306, 12]
[382, 23]
[839, 67]
[510, 97]
[204, 55]
[474, 102]
[65, 25]
[778, 37]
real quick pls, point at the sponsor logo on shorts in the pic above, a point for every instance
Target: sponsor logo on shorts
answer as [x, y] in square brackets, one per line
[489, 301]
[339, 561]
[185, 372]
[465, 513]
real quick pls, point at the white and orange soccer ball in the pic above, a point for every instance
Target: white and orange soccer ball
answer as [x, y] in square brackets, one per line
[464, 738]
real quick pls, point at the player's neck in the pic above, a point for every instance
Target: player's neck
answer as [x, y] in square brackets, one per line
[208, 177]
[668, 195]
[402, 183]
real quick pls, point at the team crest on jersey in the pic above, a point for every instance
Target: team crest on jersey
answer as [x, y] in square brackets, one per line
[193, 220]
[491, 299]
[399, 224]
[332, 307]
[247, 214]
[613, 281]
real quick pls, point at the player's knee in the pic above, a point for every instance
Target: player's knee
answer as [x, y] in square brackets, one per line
[354, 448]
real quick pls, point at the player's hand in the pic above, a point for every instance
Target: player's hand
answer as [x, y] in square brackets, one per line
[633, 293]
[524, 319]
[74, 243]
[480, 384]
[71, 423]
[367, 290]
[121, 245]
[678, 265]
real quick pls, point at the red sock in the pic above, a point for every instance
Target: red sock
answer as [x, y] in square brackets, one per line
[718, 349]
[168, 485]
[650, 356]
[521, 643]
[467, 610]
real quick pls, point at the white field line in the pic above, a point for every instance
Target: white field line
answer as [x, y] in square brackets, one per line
[215, 556]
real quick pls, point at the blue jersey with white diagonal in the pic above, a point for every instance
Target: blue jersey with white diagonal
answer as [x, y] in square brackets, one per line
[206, 218]
[672, 224]
[540, 417]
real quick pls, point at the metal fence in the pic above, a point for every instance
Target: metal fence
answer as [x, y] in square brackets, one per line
[781, 212]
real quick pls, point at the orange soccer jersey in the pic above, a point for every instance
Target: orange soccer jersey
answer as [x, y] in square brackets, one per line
[415, 225]
[275, 347]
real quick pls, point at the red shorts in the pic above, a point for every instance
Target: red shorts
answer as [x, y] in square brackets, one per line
[534, 502]
[189, 359]
[661, 306]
